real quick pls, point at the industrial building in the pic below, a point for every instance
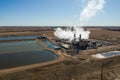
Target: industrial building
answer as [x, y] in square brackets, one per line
[73, 47]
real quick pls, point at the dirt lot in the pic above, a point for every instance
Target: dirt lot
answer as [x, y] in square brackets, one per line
[113, 36]
[77, 68]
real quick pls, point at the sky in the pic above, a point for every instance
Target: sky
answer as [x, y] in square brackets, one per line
[55, 13]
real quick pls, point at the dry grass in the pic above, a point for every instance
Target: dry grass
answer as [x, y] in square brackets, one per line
[105, 34]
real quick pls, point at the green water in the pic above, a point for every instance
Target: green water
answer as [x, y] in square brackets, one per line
[49, 44]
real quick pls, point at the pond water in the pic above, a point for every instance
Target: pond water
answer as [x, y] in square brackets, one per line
[17, 38]
[50, 44]
[107, 54]
[20, 53]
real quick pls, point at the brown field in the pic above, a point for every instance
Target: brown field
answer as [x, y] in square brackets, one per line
[105, 35]
[76, 68]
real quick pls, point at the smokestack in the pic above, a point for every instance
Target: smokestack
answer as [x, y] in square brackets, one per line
[74, 35]
[72, 28]
[79, 40]
[80, 37]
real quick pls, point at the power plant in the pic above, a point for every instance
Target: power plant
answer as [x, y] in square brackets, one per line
[76, 44]
[73, 47]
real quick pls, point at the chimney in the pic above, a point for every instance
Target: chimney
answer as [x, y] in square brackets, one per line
[80, 37]
[74, 35]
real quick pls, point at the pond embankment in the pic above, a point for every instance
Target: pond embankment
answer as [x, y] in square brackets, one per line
[24, 48]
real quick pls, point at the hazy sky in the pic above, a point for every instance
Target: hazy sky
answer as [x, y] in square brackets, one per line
[55, 13]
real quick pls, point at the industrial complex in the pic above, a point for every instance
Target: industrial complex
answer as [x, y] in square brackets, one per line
[78, 58]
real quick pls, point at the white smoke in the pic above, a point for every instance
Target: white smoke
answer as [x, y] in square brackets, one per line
[89, 11]
[69, 34]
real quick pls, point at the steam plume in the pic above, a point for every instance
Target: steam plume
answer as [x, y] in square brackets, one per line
[91, 9]
[69, 34]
